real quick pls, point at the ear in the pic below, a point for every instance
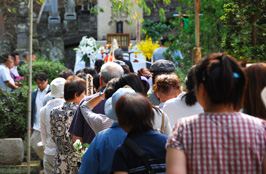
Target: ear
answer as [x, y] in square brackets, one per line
[76, 95]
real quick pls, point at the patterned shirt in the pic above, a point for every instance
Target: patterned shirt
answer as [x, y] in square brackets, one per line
[221, 143]
[66, 160]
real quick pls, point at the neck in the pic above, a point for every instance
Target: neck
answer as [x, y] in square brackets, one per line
[73, 101]
[220, 108]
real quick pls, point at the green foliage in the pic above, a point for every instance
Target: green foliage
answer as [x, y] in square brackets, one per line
[51, 68]
[13, 105]
[154, 30]
[13, 110]
[245, 25]
[129, 6]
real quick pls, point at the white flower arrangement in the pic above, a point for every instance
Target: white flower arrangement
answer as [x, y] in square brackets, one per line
[87, 48]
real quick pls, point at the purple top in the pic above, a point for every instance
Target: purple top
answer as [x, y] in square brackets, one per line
[79, 127]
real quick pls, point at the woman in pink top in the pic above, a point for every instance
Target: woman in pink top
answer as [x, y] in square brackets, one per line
[220, 140]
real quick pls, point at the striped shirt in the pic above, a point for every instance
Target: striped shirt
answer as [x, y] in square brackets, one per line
[221, 143]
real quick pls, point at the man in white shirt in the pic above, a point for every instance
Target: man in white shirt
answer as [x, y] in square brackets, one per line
[6, 81]
[36, 105]
[16, 59]
[57, 93]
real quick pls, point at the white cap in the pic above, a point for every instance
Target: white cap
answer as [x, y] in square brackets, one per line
[57, 87]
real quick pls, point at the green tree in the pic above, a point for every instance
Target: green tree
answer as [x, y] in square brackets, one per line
[245, 23]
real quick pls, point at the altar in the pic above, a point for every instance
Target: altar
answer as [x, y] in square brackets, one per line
[138, 61]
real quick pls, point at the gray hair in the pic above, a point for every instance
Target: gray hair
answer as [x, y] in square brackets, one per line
[110, 70]
[25, 54]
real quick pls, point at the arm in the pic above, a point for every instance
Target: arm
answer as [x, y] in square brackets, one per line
[175, 161]
[97, 122]
[11, 85]
[43, 127]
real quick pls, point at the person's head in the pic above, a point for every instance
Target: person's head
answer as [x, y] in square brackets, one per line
[79, 71]
[134, 113]
[161, 67]
[16, 58]
[219, 81]
[110, 70]
[110, 88]
[163, 40]
[123, 65]
[66, 73]
[96, 83]
[41, 80]
[26, 56]
[190, 97]
[253, 104]
[81, 75]
[74, 89]
[89, 70]
[167, 86]
[109, 107]
[98, 64]
[133, 81]
[57, 87]
[118, 53]
[144, 72]
[6, 58]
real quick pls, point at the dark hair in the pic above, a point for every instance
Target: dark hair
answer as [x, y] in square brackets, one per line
[190, 97]
[40, 76]
[166, 82]
[110, 88]
[4, 57]
[66, 73]
[72, 86]
[81, 75]
[253, 104]
[14, 54]
[223, 79]
[134, 111]
[163, 40]
[89, 70]
[131, 80]
[98, 64]
[79, 71]
[123, 65]
[96, 81]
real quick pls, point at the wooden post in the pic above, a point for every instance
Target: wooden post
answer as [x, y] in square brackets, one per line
[197, 49]
[138, 32]
[30, 86]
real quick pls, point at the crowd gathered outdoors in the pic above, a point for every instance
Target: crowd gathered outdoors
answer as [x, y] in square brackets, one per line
[213, 124]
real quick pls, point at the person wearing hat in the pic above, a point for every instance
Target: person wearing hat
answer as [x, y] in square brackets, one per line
[57, 93]
[120, 56]
[157, 68]
[99, 155]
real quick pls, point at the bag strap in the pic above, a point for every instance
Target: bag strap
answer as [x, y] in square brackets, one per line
[162, 128]
[139, 152]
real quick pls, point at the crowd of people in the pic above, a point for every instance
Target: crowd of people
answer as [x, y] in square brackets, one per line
[213, 124]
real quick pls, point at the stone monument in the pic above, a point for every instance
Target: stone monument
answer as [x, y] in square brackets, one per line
[54, 20]
[6, 42]
[70, 22]
[22, 28]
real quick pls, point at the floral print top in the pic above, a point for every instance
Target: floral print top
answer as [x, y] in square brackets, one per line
[66, 159]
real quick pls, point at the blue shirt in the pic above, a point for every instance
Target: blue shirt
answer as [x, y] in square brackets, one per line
[152, 143]
[98, 158]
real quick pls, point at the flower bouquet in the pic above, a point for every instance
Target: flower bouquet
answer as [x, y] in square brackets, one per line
[80, 148]
[87, 48]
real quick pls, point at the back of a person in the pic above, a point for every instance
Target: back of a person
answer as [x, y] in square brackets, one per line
[177, 108]
[153, 144]
[158, 53]
[223, 143]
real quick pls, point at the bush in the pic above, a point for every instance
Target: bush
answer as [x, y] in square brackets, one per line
[14, 105]
[51, 68]
[13, 111]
